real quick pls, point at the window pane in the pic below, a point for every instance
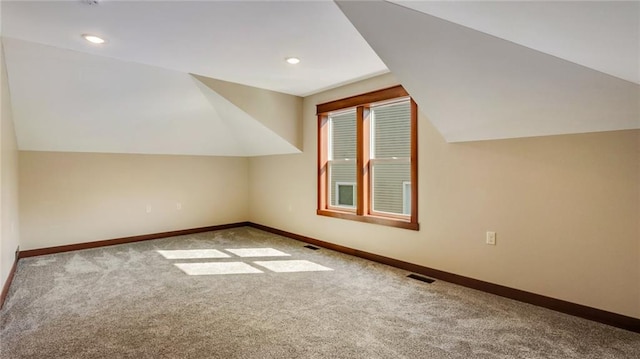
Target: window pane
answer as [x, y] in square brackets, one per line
[345, 194]
[406, 195]
[392, 130]
[342, 184]
[343, 136]
[387, 187]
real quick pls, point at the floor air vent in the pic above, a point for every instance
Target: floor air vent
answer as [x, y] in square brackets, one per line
[311, 247]
[421, 278]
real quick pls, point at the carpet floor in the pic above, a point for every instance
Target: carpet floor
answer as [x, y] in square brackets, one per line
[245, 293]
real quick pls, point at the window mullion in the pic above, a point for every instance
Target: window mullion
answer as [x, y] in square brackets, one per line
[360, 160]
[366, 156]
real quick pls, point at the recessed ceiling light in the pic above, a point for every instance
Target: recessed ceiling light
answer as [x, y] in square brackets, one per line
[93, 39]
[292, 60]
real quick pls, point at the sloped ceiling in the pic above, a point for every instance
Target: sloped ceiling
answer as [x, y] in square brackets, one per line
[149, 88]
[66, 100]
[244, 42]
[254, 136]
[475, 86]
[184, 77]
[602, 35]
[279, 112]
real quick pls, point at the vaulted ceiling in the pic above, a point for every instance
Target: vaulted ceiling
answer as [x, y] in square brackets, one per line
[209, 77]
[527, 69]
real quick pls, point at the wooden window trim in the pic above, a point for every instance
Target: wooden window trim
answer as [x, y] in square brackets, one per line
[363, 211]
[366, 98]
[391, 222]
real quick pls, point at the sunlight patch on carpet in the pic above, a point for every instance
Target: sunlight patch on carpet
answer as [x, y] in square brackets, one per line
[217, 268]
[292, 266]
[257, 252]
[192, 253]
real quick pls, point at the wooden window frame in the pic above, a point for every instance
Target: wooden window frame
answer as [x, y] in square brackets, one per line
[364, 211]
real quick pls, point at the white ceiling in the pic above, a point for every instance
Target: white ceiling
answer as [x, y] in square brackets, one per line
[491, 70]
[134, 94]
[602, 35]
[238, 41]
[66, 100]
[474, 86]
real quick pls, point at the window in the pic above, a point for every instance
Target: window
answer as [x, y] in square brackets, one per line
[367, 158]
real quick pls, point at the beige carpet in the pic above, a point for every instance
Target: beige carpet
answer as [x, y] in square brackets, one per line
[244, 293]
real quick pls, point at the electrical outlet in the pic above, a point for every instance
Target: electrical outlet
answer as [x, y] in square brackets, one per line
[178, 206]
[491, 238]
[148, 208]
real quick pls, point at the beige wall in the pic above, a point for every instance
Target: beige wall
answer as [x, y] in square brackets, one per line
[69, 198]
[277, 111]
[565, 209]
[9, 224]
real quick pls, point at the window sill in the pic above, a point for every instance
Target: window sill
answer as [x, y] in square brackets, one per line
[391, 222]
